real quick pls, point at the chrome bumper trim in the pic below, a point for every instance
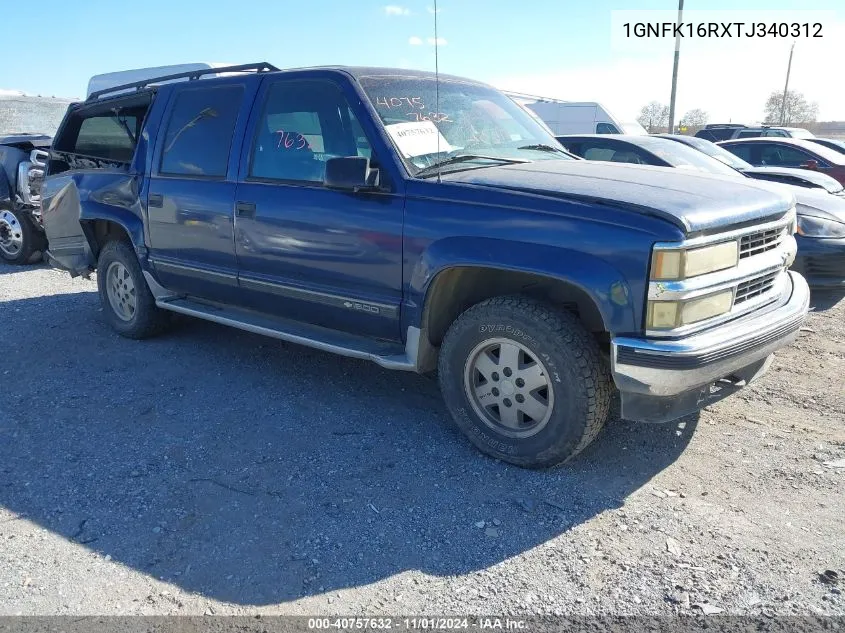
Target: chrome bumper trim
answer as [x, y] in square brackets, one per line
[665, 368]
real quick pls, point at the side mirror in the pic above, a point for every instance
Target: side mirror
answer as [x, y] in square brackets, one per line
[810, 164]
[350, 173]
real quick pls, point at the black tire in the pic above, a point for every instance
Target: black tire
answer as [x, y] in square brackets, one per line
[146, 319]
[578, 377]
[20, 240]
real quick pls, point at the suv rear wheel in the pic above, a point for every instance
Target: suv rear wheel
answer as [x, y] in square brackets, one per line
[19, 239]
[128, 304]
[524, 381]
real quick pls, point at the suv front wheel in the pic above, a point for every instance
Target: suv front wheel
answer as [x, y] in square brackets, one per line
[524, 381]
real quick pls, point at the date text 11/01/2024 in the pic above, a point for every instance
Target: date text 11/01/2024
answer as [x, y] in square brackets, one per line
[722, 29]
[416, 624]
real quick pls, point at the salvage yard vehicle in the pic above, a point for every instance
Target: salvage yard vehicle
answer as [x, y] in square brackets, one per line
[426, 222]
[789, 152]
[836, 144]
[821, 216]
[784, 175]
[575, 117]
[770, 131]
[22, 161]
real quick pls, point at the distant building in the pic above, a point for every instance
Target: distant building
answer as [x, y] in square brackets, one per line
[828, 128]
[23, 113]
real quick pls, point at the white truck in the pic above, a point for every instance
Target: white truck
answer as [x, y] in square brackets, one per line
[575, 117]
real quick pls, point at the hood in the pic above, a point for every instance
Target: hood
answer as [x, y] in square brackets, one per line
[814, 202]
[785, 174]
[694, 201]
[819, 204]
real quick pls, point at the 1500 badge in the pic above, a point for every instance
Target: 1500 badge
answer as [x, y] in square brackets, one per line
[363, 307]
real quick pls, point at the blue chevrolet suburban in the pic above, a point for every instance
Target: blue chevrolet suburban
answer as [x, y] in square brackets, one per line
[425, 223]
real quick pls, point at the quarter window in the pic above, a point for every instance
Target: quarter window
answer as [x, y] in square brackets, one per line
[109, 137]
[199, 133]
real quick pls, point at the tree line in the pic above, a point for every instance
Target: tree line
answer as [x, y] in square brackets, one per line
[654, 116]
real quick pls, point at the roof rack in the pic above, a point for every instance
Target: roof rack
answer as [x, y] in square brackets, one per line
[523, 95]
[191, 75]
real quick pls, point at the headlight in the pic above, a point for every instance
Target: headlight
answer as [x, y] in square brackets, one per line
[682, 264]
[667, 315]
[808, 226]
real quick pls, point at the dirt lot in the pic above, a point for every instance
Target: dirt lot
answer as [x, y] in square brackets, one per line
[214, 471]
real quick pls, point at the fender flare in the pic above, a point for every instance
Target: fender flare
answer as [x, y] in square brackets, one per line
[600, 281]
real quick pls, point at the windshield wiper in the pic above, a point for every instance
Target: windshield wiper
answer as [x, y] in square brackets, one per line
[542, 147]
[463, 158]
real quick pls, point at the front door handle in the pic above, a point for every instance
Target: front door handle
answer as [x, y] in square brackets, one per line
[155, 200]
[245, 209]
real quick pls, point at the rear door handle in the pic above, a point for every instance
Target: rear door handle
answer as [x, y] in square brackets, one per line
[245, 209]
[155, 200]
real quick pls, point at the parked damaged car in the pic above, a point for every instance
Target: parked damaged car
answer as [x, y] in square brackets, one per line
[426, 222]
[22, 162]
[821, 216]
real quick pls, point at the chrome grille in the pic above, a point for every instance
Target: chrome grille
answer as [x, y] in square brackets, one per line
[759, 242]
[755, 287]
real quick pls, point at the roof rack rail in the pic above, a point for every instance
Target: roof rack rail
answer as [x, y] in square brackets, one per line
[191, 75]
[524, 95]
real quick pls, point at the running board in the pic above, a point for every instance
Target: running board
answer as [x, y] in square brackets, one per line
[391, 356]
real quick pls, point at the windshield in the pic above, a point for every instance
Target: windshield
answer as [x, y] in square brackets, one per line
[684, 157]
[632, 127]
[471, 119]
[719, 153]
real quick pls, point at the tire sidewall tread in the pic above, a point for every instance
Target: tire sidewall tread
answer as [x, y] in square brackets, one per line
[579, 378]
[33, 240]
[148, 320]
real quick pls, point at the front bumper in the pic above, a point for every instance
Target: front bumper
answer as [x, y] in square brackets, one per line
[662, 380]
[821, 261]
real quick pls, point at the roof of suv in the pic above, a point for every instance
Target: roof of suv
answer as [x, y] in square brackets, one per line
[221, 73]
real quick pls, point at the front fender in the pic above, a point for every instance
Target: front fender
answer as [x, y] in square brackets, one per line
[604, 284]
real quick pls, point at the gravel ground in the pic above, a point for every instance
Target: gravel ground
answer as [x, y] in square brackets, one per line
[214, 471]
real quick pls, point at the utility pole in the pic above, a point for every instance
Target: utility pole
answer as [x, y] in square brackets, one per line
[786, 87]
[675, 71]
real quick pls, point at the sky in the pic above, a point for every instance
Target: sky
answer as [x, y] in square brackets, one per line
[569, 49]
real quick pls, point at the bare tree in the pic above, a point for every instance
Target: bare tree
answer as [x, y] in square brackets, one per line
[695, 118]
[797, 110]
[654, 116]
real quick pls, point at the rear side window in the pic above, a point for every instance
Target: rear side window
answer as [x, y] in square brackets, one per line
[199, 133]
[742, 151]
[748, 134]
[108, 137]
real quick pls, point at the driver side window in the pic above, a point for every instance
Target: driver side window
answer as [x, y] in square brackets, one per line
[304, 122]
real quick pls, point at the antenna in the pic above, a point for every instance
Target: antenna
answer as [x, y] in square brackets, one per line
[436, 83]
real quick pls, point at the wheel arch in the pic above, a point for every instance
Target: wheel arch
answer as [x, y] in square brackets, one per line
[454, 274]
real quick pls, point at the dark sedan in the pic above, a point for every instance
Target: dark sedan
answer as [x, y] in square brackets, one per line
[789, 152]
[784, 175]
[821, 216]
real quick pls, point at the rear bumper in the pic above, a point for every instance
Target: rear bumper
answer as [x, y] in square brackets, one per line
[661, 380]
[821, 261]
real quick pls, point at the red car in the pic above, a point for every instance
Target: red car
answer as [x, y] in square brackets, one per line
[789, 152]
